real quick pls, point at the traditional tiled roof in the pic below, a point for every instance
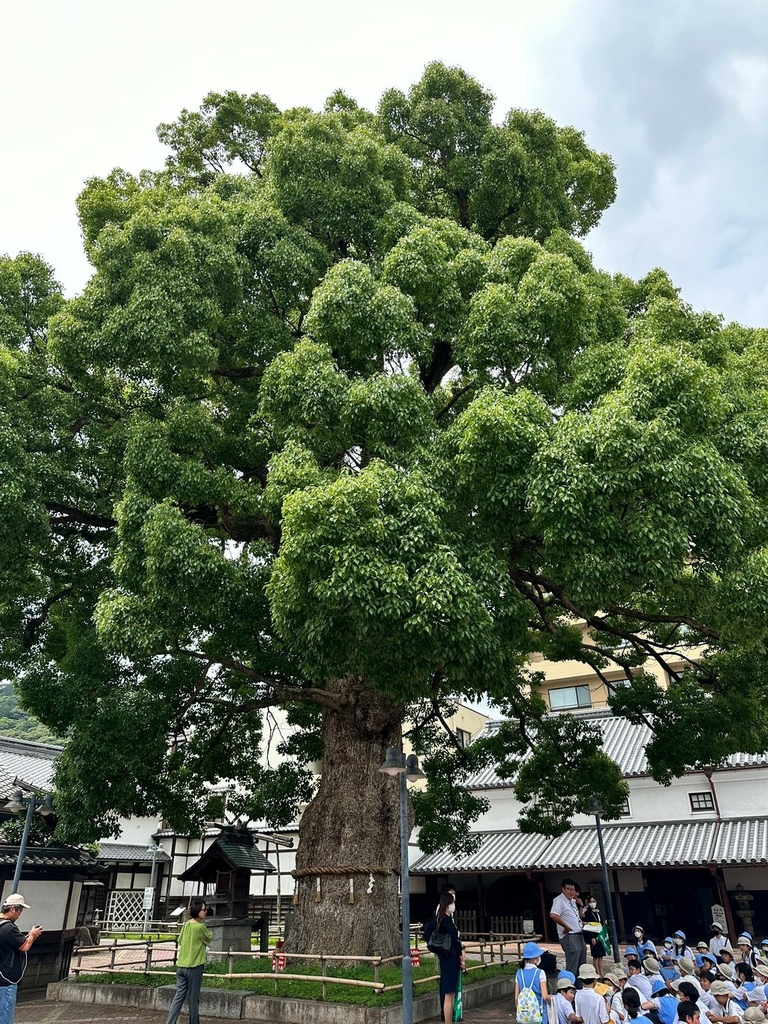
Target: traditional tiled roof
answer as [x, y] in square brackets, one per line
[47, 857]
[31, 763]
[623, 742]
[667, 844]
[498, 851]
[632, 846]
[129, 853]
[743, 841]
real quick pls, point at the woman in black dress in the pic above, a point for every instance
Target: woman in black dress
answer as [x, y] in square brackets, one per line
[591, 927]
[450, 963]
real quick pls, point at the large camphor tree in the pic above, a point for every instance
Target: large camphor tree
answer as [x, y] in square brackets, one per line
[346, 423]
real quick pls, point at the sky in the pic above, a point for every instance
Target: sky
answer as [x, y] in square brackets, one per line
[675, 90]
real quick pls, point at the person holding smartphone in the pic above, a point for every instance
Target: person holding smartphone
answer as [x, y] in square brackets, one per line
[13, 952]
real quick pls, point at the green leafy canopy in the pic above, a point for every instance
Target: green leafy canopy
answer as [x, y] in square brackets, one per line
[346, 406]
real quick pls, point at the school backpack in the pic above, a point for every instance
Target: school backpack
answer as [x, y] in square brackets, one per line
[548, 962]
[528, 1005]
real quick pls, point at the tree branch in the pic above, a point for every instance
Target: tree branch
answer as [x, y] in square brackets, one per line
[442, 360]
[278, 692]
[71, 514]
[601, 623]
[459, 394]
[31, 626]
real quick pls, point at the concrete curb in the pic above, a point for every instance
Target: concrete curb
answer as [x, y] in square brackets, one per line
[221, 1003]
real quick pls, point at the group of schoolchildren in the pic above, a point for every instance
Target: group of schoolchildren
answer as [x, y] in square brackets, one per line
[668, 985]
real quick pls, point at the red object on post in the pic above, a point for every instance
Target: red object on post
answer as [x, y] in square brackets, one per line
[415, 958]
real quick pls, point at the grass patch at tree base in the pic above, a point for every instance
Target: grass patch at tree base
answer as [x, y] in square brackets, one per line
[278, 986]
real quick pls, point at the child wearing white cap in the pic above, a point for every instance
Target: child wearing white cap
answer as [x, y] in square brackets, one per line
[590, 1005]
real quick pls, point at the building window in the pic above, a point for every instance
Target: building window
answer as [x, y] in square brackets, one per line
[626, 810]
[701, 801]
[564, 697]
[464, 738]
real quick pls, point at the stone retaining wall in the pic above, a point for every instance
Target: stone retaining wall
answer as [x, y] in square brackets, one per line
[218, 1002]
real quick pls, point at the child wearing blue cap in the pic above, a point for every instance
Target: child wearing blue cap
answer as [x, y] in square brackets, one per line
[530, 987]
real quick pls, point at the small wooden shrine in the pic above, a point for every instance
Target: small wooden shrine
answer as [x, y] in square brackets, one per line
[225, 872]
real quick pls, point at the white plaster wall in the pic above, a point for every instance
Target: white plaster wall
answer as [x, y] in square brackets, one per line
[742, 793]
[136, 831]
[47, 904]
[503, 812]
[124, 879]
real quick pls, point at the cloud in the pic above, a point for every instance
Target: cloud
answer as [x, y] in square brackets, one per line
[675, 91]
[678, 94]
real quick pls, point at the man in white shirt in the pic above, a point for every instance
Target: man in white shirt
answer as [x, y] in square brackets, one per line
[566, 913]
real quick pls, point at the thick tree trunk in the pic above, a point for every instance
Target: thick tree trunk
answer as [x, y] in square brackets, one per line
[348, 858]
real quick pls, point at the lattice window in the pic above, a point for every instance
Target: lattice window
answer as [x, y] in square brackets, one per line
[701, 801]
[125, 906]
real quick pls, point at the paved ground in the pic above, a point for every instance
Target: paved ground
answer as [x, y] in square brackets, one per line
[38, 1011]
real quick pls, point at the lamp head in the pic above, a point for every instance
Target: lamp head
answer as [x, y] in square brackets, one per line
[394, 763]
[16, 803]
[595, 807]
[412, 769]
[46, 806]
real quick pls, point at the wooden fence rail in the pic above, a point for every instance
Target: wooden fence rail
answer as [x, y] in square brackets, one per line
[151, 955]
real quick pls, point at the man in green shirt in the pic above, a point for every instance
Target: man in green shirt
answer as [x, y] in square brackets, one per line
[190, 960]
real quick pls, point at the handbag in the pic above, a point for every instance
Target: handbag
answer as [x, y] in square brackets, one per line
[439, 942]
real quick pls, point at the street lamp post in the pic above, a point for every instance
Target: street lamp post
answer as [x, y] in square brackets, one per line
[149, 895]
[19, 800]
[596, 808]
[407, 768]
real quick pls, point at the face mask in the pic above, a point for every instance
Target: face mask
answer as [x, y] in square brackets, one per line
[638, 935]
[668, 945]
[451, 907]
[593, 904]
[679, 941]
